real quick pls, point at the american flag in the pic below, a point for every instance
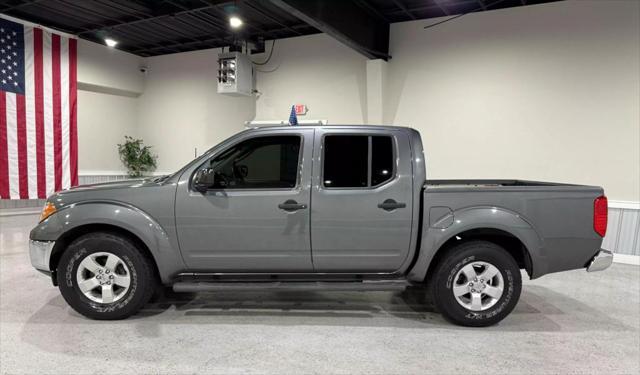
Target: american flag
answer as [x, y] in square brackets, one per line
[38, 112]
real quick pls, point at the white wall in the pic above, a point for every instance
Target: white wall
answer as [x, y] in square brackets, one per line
[548, 92]
[108, 83]
[317, 71]
[180, 109]
[103, 121]
[109, 67]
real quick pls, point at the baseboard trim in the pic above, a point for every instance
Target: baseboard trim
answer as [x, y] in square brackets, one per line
[626, 259]
[629, 205]
[19, 211]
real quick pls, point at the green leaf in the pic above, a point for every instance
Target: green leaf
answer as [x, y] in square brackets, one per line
[136, 157]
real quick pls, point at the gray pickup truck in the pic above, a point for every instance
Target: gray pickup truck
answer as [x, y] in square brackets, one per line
[316, 207]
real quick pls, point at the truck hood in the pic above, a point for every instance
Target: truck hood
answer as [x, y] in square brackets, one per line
[117, 190]
[125, 184]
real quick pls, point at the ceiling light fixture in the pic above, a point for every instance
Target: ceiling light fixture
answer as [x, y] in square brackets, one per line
[235, 22]
[110, 42]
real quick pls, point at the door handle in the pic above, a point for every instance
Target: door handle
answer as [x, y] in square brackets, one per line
[390, 204]
[291, 205]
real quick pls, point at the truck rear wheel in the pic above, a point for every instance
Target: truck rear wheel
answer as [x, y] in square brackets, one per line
[477, 284]
[105, 276]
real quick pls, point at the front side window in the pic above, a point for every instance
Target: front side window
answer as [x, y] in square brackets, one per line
[258, 163]
[357, 161]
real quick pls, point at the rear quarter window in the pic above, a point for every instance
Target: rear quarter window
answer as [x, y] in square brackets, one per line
[357, 161]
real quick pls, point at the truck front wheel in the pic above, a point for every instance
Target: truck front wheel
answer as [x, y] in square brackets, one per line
[477, 284]
[105, 276]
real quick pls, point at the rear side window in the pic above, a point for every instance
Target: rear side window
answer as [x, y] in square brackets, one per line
[357, 161]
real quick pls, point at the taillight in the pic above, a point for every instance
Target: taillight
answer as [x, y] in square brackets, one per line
[600, 211]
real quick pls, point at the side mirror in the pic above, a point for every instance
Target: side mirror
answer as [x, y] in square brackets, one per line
[203, 179]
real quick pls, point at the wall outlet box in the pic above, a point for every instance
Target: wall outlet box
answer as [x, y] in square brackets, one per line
[235, 74]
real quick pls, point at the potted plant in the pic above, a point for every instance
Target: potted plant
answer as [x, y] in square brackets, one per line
[137, 157]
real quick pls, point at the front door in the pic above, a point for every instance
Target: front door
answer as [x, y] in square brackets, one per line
[362, 200]
[255, 218]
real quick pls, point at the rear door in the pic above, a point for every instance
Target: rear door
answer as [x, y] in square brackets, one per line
[362, 200]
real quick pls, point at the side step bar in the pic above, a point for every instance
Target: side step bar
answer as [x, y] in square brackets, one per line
[386, 285]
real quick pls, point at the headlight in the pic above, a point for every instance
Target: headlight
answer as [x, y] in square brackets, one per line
[48, 210]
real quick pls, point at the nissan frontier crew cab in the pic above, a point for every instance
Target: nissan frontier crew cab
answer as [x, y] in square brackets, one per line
[316, 207]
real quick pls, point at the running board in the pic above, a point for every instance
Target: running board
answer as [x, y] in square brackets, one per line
[336, 286]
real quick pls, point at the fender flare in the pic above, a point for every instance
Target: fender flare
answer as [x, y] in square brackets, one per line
[166, 254]
[433, 238]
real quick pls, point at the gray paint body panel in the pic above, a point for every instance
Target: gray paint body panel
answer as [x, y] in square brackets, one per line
[244, 231]
[143, 208]
[555, 225]
[350, 232]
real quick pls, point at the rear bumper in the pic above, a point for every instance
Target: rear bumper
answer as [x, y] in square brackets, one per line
[40, 253]
[601, 261]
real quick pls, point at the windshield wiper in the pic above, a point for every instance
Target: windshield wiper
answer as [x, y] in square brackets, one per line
[161, 178]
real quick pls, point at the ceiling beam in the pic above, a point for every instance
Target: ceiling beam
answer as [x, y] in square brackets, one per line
[344, 21]
[263, 13]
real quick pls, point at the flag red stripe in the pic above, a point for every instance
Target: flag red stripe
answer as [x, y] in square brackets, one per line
[38, 70]
[57, 105]
[73, 109]
[4, 148]
[23, 173]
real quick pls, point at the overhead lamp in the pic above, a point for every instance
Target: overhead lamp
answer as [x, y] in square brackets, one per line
[235, 22]
[110, 42]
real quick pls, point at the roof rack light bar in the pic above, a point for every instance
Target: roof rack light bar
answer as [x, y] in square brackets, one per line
[268, 123]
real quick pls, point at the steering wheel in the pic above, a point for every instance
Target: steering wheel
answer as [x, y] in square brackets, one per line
[240, 171]
[221, 179]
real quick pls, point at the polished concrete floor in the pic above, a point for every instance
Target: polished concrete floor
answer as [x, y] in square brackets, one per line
[572, 322]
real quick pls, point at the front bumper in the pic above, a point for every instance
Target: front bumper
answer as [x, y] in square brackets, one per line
[601, 261]
[40, 253]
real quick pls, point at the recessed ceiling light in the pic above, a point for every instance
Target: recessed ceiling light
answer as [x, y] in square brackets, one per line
[235, 22]
[110, 42]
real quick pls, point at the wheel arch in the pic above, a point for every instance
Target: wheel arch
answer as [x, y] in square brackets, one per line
[81, 218]
[506, 240]
[74, 233]
[503, 227]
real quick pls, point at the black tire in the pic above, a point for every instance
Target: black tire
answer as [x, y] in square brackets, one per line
[142, 278]
[442, 281]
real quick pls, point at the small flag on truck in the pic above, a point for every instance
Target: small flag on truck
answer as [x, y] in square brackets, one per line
[293, 119]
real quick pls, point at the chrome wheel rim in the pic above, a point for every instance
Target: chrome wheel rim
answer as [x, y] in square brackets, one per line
[103, 277]
[478, 286]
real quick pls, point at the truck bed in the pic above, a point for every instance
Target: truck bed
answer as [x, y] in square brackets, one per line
[554, 220]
